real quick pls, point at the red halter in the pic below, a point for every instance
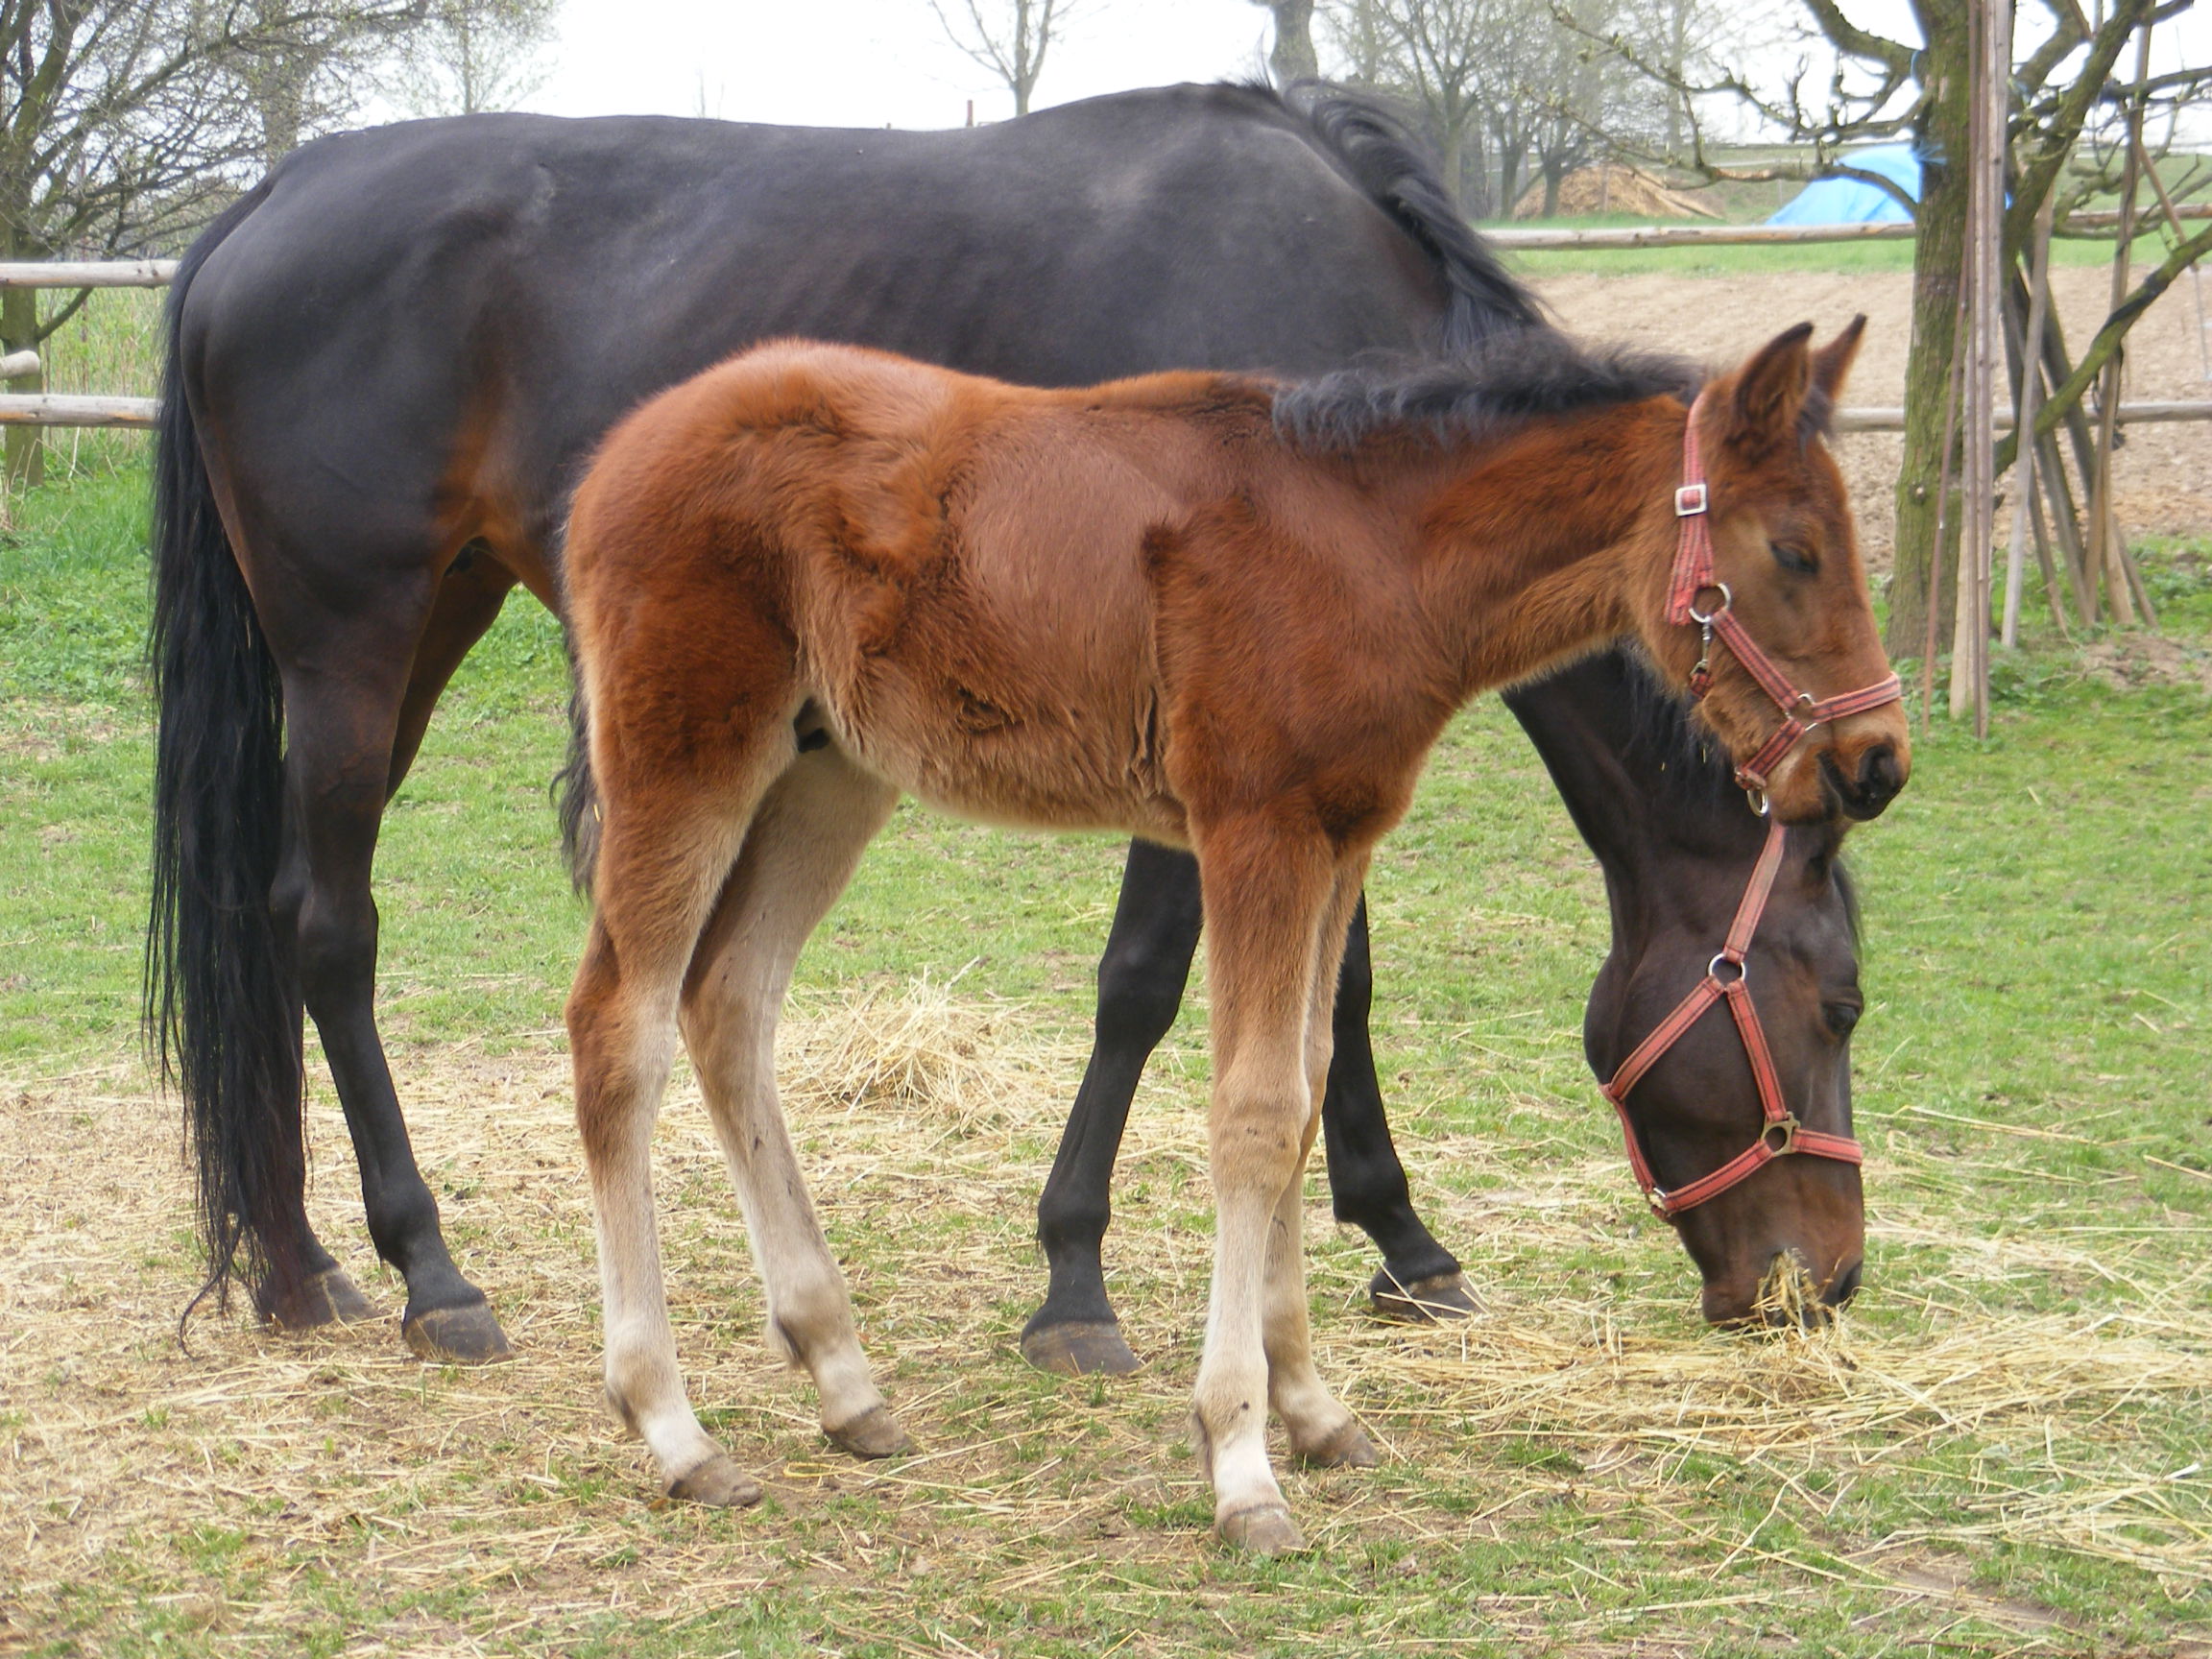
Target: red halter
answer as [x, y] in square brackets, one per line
[1694, 574]
[1780, 1132]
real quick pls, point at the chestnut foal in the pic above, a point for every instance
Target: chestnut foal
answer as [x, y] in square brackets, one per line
[1203, 609]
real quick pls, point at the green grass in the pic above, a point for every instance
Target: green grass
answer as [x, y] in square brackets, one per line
[2030, 1084]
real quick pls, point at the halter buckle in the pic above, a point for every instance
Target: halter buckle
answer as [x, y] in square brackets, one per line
[1688, 500]
[1785, 1126]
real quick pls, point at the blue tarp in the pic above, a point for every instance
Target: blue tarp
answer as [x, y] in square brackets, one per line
[1853, 201]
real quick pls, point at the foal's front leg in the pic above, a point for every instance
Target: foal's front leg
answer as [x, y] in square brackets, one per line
[1267, 894]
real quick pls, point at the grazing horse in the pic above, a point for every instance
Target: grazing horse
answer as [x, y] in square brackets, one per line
[386, 365]
[1215, 611]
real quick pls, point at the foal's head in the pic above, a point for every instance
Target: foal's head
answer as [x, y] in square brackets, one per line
[1786, 577]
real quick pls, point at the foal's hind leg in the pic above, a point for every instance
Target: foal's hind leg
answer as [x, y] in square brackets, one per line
[800, 853]
[669, 839]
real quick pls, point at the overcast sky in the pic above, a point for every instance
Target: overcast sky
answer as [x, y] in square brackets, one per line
[869, 62]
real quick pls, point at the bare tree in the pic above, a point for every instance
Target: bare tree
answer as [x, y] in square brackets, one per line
[1292, 58]
[471, 56]
[125, 122]
[1009, 38]
[2063, 121]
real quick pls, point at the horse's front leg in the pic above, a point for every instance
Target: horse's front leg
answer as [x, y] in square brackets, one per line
[1322, 1431]
[1141, 979]
[1419, 1279]
[1268, 893]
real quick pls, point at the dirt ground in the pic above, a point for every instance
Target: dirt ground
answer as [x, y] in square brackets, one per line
[2162, 474]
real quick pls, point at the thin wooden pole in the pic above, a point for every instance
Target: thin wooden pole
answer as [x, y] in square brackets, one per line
[1954, 386]
[1991, 60]
[2023, 418]
[2104, 539]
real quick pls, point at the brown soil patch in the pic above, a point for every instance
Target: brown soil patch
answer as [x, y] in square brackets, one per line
[2162, 474]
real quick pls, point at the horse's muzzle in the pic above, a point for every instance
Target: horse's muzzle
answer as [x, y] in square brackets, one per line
[1878, 777]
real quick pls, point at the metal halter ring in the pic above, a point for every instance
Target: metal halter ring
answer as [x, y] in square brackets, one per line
[1756, 799]
[1787, 1128]
[1713, 969]
[1705, 620]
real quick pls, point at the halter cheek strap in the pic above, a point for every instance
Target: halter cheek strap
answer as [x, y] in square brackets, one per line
[1694, 575]
[1725, 981]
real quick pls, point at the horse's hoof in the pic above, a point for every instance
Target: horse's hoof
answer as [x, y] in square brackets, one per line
[463, 1336]
[327, 1298]
[1431, 1301]
[1079, 1350]
[717, 1482]
[1349, 1448]
[1266, 1530]
[873, 1434]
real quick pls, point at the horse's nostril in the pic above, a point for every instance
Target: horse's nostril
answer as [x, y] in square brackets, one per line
[1879, 775]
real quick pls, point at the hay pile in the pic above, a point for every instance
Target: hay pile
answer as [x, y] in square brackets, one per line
[1614, 188]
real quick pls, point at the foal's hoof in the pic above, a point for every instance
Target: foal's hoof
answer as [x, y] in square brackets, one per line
[1431, 1301]
[717, 1482]
[873, 1434]
[1079, 1350]
[463, 1336]
[1266, 1530]
[1349, 1448]
[325, 1298]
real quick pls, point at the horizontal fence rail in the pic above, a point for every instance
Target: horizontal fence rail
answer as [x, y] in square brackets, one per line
[60, 409]
[89, 273]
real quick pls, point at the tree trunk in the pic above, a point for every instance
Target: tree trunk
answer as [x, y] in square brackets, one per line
[23, 463]
[1938, 260]
[1292, 58]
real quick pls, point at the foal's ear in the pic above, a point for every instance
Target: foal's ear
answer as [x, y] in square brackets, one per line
[1770, 389]
[1832, 363]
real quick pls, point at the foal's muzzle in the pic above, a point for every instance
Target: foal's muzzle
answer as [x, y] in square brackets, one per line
[1871, 788]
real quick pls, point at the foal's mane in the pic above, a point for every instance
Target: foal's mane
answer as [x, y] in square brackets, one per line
[1493, 385]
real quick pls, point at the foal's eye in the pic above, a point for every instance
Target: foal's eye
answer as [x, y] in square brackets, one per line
[1791, 557]
[1841, 1017]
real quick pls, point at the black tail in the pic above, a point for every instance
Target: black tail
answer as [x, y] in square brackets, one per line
[1389, 164]
[218, 999]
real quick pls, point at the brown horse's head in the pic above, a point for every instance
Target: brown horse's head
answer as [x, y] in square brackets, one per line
[1787, 1242]
[1786, 566]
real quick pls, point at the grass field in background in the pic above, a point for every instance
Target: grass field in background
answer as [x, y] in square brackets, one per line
[2030, 1088]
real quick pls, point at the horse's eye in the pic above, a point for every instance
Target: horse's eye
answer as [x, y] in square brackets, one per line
[1841, 1017]
[1791, 557]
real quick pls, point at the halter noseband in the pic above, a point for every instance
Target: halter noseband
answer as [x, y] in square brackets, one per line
[1693, 575]
[1780, 1134]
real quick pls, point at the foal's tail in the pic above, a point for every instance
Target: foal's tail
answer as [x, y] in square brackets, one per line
[219, 1005]
[1388, 163]
[578, 791]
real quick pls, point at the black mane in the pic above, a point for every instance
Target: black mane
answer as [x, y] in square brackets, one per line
[1498, 382]
[1369, 143]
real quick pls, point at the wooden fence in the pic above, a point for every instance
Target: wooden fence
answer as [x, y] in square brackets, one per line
[62, 409]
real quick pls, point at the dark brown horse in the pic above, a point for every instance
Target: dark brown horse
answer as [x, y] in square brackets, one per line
[386, 367]
[1215, 612]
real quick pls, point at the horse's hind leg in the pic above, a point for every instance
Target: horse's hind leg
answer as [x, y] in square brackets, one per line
[1140, 979]
[358, 690]
[800, 853]
[1419, 1279]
